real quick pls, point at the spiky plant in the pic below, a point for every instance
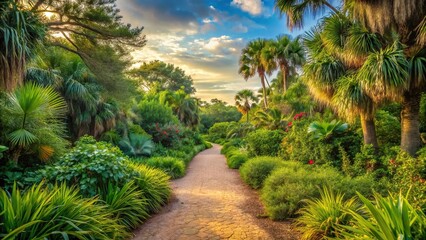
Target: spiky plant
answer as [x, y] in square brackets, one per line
[245, 100]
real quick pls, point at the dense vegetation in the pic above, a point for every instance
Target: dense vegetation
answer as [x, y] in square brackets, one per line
[87, 143]
[336, 139]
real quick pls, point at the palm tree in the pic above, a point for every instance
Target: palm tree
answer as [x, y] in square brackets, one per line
[20, 31]
[272, 119]
[405, 79]
[253, 62]
[335, 50]
[287, 53]
[295, 10]
[245, 100]
[33, 117]
[184, 106]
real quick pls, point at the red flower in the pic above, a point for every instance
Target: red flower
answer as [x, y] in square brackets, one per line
[310, 162]
[164, 132]
[290, 124]
[392, 161]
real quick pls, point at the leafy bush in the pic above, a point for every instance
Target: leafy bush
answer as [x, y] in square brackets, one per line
[256, 170]
[168, 135]
[174, 167]
[219, 131]
[285, 188]
[90, 165]
[321, 218]
[264, 142]
[387, 218]
[236, 160]
[409, 173]
[55, 213]
[388, 129]
[154, 184]
[149, 113]
[299, 145]
[127, 204]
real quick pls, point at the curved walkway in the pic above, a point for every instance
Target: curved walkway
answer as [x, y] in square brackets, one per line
[211, 202]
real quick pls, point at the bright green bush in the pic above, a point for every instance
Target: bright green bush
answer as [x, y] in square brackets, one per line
[285, 188]
[174, 167]
[154, 184]
[387, 218]
[321, 218]
[90, 165]
[388, 129]
[409, 173]
[236, 160]
[219, 131]
[256, 170]
[299, 145]
[55, 213]
[150, 113]
[264, 142]
[127, 204]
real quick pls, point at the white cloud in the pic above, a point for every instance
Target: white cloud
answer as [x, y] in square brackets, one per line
[222, 45]
[254, 7]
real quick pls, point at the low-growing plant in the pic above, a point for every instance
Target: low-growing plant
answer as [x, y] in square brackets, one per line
[256, 170]
[59, 212]
[236, 160]
[154, 184]
[285, 188]
[90, 165]
[323, 130]
[321, 218]
[174, 167]
[127, 204]
[264, 142]
[137, 145]
[392, 217]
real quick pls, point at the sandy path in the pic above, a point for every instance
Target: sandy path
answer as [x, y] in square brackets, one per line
[212, 202]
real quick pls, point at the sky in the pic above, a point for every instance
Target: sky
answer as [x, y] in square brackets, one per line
[205, 38]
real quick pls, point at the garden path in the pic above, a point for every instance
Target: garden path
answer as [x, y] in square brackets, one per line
[212, 202]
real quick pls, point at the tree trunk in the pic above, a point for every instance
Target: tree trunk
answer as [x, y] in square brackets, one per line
[265, 101]
[285, 73]
[248, 115]
[410, 124]
[369, 131]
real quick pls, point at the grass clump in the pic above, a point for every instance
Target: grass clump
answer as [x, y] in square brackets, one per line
[174, 167]
[256, 170]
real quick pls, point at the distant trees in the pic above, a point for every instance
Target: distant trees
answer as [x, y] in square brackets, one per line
[217, 111]
[159, 76]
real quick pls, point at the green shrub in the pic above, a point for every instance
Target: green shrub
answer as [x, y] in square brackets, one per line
[321, 218]
[285, 188]
[409, 173]
[219, 131]
[154, 184]
[55, 213]
[150, 113]
[137, 145]
[387, 218]
[127, 204]
[388, 129]
[264, 142]
[90, 165]
[299, 145]
[256, 170]
[174, 167]
[236, 160]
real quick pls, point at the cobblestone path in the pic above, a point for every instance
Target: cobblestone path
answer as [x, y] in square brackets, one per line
[210, 202]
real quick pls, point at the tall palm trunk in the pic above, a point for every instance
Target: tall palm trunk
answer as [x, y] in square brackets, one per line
[265, 101]
[410, 124]
[369, 131]
[285, 73]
